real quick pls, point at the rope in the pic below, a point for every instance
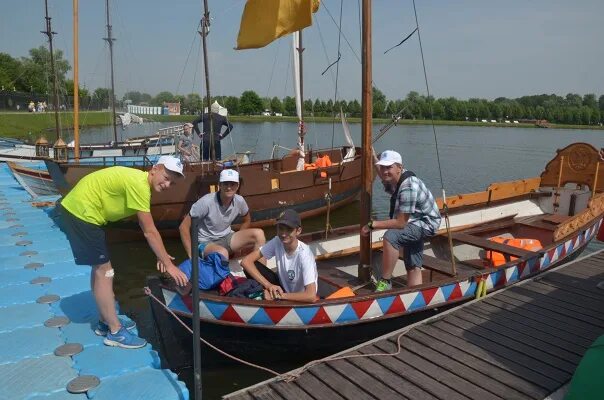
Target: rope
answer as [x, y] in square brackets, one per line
[287, 377]
[440, 173]
[335, 94]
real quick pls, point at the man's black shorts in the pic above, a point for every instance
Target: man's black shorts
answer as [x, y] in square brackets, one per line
[87, 240]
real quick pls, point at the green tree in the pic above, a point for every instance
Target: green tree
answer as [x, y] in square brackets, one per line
[354, 108]
[601, 103]
[100, 97]
[589, 100]
[250, 103]
[232, 105]
[379, 102]
[317, 107]
[289, 106]
[276, 105]
[36, 70]
[161, 98]
[9, 73]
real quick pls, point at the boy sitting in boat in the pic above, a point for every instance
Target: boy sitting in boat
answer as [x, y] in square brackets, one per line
[216, 212]
[297, 270]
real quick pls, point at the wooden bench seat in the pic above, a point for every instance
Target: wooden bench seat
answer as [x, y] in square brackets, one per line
[490, 245]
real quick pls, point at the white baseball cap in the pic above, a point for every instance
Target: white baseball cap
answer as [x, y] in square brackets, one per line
[229, 175]
[171, 163]
[389, 157]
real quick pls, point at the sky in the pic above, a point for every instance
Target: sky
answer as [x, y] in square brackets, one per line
[472, 48]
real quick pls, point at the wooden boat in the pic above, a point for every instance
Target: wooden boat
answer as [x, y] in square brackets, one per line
[267, 185]
[563, 209]
[34, 179]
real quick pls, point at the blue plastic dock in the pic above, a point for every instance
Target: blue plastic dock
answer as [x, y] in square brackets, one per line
[36, 261]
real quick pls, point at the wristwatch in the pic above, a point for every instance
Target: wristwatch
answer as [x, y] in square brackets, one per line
[370, 224]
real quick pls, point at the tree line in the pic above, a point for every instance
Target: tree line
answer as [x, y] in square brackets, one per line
[32, 74]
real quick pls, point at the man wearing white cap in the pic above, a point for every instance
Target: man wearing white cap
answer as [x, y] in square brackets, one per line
[414, 217]
[217, 211]
[109, 195]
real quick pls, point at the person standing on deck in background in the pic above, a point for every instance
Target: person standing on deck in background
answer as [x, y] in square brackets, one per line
[297, 270]
[217, 211]
[414, 217]
[218, 121]
[185, 144]
[109, 195]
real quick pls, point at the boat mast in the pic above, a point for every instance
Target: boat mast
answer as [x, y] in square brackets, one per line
[301, 130]
[205, 29]
[110, 41]
[48, 32]
[76, 82]
[364, 268]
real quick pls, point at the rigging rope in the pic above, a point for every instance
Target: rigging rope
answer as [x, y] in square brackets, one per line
[335, 95]
[442, 184]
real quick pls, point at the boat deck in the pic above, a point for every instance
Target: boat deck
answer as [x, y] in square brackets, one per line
[523, 342]
[39, 286]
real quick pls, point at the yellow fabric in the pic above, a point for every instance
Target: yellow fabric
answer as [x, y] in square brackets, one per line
[109, 195]
[266, 20]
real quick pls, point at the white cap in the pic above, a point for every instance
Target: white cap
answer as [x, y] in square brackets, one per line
[229, 175]
[171, 163]
[389, 157]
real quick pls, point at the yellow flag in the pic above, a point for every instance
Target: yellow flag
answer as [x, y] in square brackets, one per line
[266, 20]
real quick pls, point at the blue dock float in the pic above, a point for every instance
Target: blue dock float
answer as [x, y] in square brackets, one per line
[46, 303]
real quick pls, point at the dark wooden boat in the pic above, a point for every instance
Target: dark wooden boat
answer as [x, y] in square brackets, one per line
[563, 209]
[268, 186]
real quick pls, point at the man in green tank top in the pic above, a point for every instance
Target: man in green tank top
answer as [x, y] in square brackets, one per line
[109, 195]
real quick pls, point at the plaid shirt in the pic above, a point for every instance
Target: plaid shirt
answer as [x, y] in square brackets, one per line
[415, 199]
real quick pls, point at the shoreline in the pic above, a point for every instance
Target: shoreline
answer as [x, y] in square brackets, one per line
[28, 126]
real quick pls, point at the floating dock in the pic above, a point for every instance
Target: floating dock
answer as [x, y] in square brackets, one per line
[523, 342]
[48, 314]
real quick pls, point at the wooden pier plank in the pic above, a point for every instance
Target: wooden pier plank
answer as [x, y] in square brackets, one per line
[399, 383]
[428, 383]
[535, 355]
[576, 298]
[595, 317]
[585, 327]
[521, 336]
[521, 343]
[465, 372]
[433, 369]
[511, 365]
[363, 379]
[515, 385]
[560, 323]
[559, 339]
[345, 382]
[548, 304]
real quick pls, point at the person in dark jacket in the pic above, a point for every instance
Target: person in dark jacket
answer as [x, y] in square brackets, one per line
[218, 121]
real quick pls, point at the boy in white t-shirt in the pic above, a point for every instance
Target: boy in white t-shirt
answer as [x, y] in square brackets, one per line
[297, 270]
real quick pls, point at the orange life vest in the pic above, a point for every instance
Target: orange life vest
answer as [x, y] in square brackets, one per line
[495, 258]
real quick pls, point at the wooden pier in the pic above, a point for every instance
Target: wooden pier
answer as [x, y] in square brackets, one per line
[523, 342]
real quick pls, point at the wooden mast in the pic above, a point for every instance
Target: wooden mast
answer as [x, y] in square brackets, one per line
[55, 93]
[110, 41]
[364, 267]
[205, 29]
[76, 94]
[300, 49]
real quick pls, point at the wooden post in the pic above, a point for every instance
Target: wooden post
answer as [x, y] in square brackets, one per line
[557, 194]
[593, 191]
[364, 267]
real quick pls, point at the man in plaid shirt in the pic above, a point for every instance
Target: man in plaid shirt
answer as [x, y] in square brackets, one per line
[414, 217]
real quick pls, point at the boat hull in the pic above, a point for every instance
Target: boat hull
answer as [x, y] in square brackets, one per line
[257, 328]
[37, 182]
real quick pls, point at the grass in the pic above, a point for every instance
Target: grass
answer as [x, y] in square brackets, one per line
[29, 126]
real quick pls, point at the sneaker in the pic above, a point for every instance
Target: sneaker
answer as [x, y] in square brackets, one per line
[102, 328]
[383, 285]
[123, 338]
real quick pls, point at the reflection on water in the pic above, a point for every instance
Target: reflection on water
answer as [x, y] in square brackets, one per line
[471, 158]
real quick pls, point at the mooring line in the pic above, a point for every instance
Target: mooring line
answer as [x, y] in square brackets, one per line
[287, 377]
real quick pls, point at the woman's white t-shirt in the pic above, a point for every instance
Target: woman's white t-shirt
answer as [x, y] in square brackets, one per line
[296, 270]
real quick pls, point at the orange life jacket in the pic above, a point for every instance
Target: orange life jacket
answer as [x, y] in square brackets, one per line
[495, 258]
[323, 162]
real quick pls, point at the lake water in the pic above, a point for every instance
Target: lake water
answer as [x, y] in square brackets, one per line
[470, 158]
